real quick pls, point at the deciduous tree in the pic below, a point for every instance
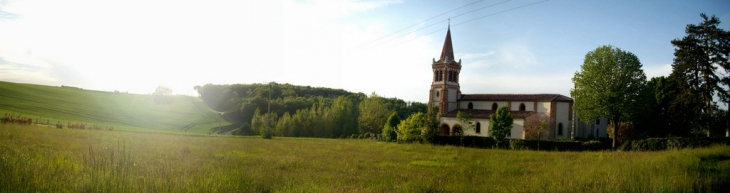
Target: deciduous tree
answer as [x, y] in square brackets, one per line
[409, 130]
[467, 124]
[608, 85]
[373, 114]
[389, 130]
[500, 124]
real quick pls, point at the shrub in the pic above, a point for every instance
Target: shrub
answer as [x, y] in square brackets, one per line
[521, 144]
[593, 145]
[517, 144]
[656, 144]
[409, 130]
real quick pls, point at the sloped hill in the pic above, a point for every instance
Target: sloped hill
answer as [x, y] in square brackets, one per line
[123, 111]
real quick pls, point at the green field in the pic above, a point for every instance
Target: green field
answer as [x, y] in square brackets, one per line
[42, 159]
[133, 112]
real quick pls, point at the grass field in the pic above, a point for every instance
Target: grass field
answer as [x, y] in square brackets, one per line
[41, 159]
[123, 111]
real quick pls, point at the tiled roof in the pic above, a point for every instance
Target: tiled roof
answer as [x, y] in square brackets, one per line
[487, 113]
[515, 97]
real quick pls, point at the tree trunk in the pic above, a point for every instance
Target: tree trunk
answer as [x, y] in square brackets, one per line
[614, 132]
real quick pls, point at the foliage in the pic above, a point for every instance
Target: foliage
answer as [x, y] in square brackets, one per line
[431, 123]
[389, 130]
[163, 95]
[37, 159]
[500, 124]
[538, 126]
[625, 132]
[695, 71]
[608, 85]
[657, 119]
[521, 144]
[467, 124]
[409, 130]
[259, 124]
[672, 143]
[373, 114]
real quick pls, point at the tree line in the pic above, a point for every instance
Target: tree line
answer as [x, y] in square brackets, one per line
[302, 111]
[611, 84]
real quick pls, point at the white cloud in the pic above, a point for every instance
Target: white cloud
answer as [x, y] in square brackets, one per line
[657, 70]
[516, 55]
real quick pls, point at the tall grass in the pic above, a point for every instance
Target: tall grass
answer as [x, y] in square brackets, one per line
[34, 159]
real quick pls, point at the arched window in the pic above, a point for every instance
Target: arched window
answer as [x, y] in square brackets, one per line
[479, 127]
[470, 106]
[494, 106]
[456, 76]
[435, 76]
[451, 76]
[522, 106]
[560, 129]
[441, 75]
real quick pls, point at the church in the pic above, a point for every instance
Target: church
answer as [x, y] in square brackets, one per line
[445, 94]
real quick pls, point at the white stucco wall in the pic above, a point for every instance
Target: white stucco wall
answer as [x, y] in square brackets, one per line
[562, 110]
[517, 129]
[529, 105]
[484, 131]
[452, 95]
[543, 107]
[434, 95]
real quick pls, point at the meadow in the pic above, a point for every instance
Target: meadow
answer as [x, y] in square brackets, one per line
[131, 112]
[42, 159]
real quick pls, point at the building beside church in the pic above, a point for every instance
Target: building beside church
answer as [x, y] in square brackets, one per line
[445, 94]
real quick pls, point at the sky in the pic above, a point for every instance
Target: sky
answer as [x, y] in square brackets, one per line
[381, 46]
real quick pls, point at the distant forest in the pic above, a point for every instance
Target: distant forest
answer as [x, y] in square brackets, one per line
[302, 111]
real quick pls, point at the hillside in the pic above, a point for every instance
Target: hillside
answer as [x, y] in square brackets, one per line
[124, 111]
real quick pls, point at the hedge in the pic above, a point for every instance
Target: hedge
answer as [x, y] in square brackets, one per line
[657, 144]
[650, 144]
[520, 144]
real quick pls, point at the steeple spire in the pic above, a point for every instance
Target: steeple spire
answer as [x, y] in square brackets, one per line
[447, 53]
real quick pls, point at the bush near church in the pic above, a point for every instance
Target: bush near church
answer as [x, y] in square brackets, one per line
[658, 144]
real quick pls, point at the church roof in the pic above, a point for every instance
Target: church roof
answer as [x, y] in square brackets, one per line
[516, 97]
[486, 113]
[447, 53]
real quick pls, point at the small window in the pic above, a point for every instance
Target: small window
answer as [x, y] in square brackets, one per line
[470, 106]
[479, 127]
[494, 106]
[598, 121]
[560, 129]
[522, 106]
[437, 93]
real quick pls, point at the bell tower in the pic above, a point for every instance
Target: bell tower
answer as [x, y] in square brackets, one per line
[445, 88]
